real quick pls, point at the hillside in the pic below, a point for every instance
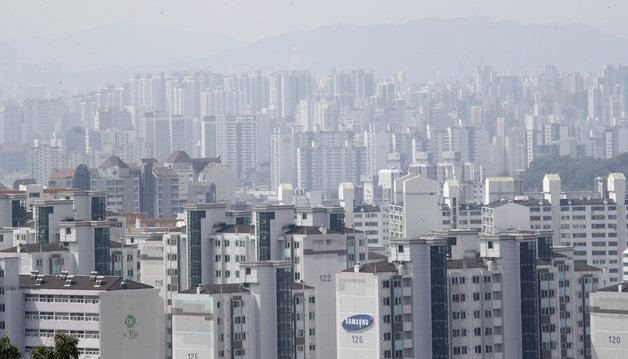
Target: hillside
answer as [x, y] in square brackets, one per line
[576, 173]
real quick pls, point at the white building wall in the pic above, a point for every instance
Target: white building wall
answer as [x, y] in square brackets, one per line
[120, 339]
[358, 293]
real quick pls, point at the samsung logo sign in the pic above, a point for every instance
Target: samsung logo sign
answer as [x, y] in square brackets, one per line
[358, 321]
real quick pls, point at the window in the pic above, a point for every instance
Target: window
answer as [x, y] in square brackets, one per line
[400, 248]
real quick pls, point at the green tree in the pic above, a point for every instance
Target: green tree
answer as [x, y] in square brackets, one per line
[64, 348]
[42, 352]
[8, 350]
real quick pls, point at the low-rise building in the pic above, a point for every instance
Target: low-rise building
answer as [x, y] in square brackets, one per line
[112, 317]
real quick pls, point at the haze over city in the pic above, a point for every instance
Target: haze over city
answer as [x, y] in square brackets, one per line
[313, 179]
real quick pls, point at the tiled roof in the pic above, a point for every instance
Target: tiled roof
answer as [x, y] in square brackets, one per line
[308, 230]
[113, 161]
[383, 266]
[218, 289]
[62, 173]
[178, 157]
[237, 228]
[466, 263]
[37, 248]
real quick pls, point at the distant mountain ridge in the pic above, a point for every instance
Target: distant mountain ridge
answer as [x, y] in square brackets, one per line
[423, 47]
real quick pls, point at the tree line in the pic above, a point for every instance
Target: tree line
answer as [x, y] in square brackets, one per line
[576, 174]
[65, 347]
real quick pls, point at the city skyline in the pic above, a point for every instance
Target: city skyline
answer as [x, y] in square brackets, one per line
[299, 180]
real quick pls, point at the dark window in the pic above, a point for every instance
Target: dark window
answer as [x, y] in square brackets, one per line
[529, 313]
[263, 235]
[440, 330]
[42, 223]
[102, 251]
[285, 343]
[194, 247]
[99, 208]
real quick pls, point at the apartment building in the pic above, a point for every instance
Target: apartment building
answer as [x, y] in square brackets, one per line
[112, 317]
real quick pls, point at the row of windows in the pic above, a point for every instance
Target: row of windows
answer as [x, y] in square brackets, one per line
[475, 279]
[396, 284]
[538, 218]
[584, 208]
[227, 243]
[398, 353]
[301, 348]
[366, 215]
[49, 333]
[93, 317]
[227, 274]
[476, 349]
[61, 298]
[227, 258]
[81, 351]
[236, 336]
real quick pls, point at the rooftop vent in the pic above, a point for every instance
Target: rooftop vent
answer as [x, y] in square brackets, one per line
[93, 275]
[63, 274]
[123, 283]
[34, 274]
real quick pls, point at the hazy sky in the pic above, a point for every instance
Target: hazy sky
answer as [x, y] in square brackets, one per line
[249, 20]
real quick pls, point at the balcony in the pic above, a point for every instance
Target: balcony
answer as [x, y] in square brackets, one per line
[407, 326]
